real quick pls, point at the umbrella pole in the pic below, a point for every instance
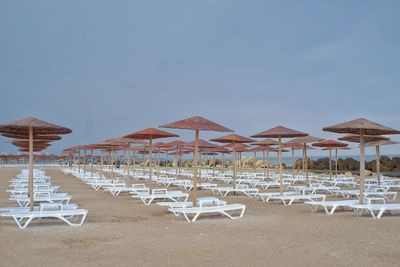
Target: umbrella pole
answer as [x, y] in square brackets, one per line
[101, 164]
[280, 165]
[362, 166]
[199, 170]
[264, 163]
[305, 160]
[336, 163]
[177, 162]
[196, 154]
[91, 163]
[150, 154]
[255, 161]
[158, 162]
[222, 162]
[214, 163]
[84, 162]
[234, 165]
[378, 164]
[30, 168]
[267, 164]
[293, 162]
[330, 164]
[133, 163]
[129, 161]
[110, 162]
[79, 160]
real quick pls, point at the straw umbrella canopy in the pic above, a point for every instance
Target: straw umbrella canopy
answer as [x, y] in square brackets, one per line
[35, 149]
[306, 140]
[35, 145]
[336, 156]
[280, 132]
[197, 124]
[234, 140]
[361, 127]
[367, 138]
[36, 137]
[377, 145]
[265, 142]
[150, 134]
[330, 144]
[32, 126]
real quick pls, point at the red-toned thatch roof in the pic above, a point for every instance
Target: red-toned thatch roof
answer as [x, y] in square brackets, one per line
[279, 132]
[202, 144]
[330, 143]
[150, 134]
[381, 143]
[367, 138]
[265, 142]
[197, 123]
[232, 138]
[39, 127]
[40, 137]
[306, 140]
[355, 126]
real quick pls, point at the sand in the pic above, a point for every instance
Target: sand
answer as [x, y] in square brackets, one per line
[121, 231]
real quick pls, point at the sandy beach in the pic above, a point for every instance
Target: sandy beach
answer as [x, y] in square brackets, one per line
[121, 231]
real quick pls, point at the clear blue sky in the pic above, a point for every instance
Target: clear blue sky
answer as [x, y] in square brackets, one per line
[108, 68]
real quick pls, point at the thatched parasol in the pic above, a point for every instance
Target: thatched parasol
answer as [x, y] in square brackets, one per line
[280, 132]
[197, 124]
[306, 140]
[30, 127]
[330, 144]
[377, 145]
[234, 140]
[150, 134]
[41, 137]
[361, 127]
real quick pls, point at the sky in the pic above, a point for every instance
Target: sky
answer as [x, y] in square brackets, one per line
[109, 68]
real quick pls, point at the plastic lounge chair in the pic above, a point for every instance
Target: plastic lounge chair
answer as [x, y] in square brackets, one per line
[23, 218]
[159, 194]
[227, 210]
[376, 210]
[330, 206]
[290, 199]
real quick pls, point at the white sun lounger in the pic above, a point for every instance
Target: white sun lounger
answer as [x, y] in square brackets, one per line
[266, 196]
[201, 201]
[36, 208]
[224, 191]
[161, 194]
[23, 218]
[290, 199]
[330, 206]
[57, 198]
[376, 210]
[227, 210]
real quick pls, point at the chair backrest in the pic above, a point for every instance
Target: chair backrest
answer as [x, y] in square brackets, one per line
[159, 191]
[50, 207]
[41, 194]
